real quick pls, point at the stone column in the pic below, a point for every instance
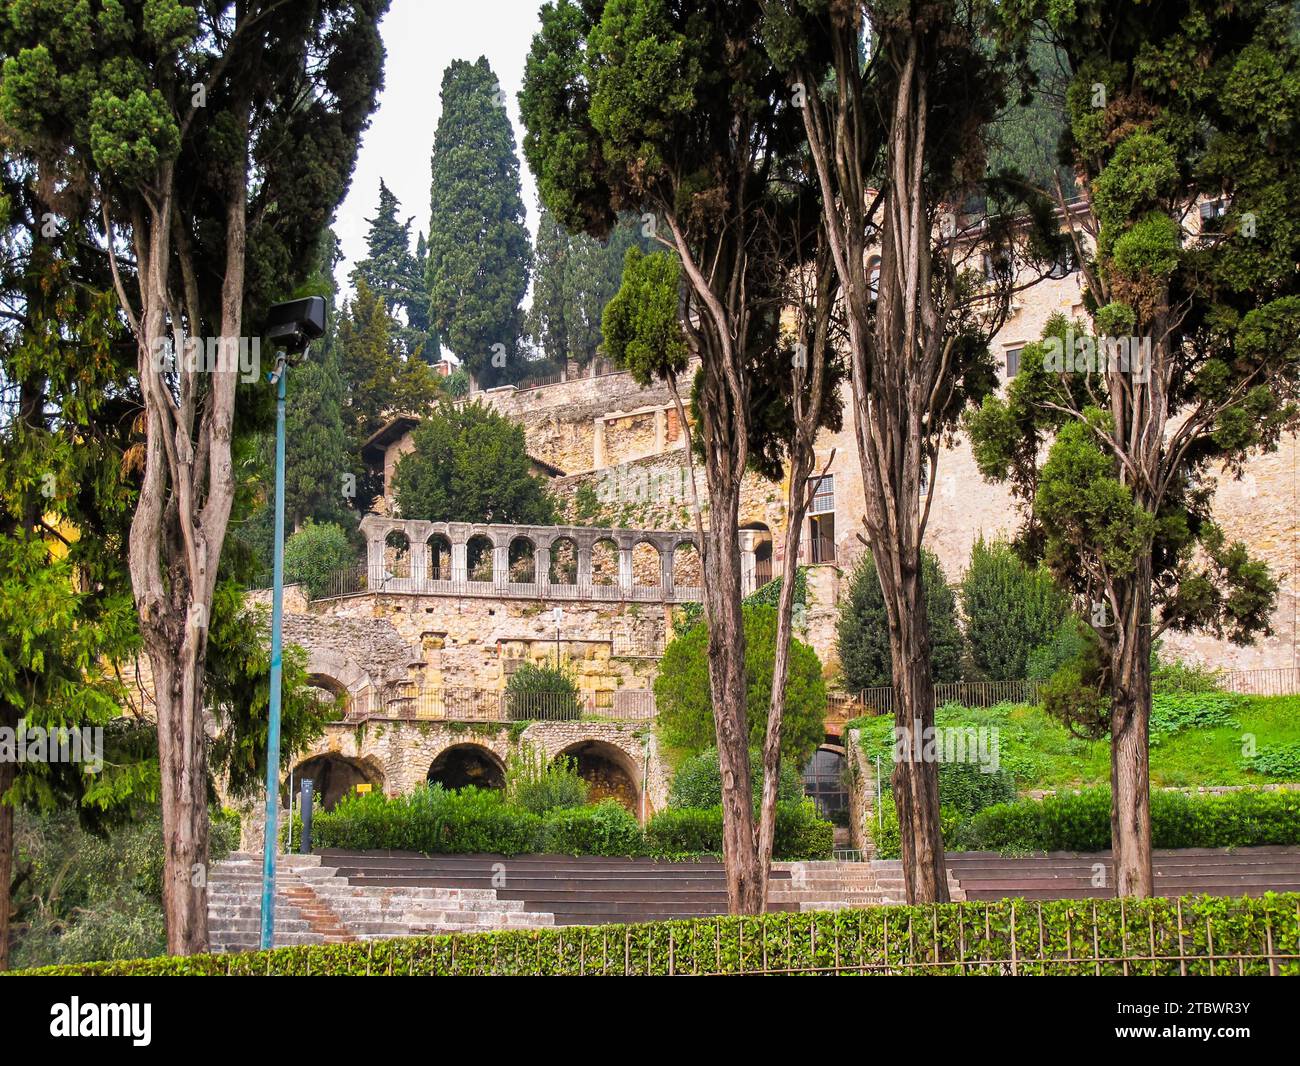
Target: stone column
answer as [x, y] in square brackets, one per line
[419, 560]
[598, 444]
[666, 573]
[584, 563]
[501, 565]
[375, 559]
[625, 569]
[542, 566]
[748, 559]
[661, 430]
[459, 560]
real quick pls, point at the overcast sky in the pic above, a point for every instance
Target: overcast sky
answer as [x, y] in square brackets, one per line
[422, 37]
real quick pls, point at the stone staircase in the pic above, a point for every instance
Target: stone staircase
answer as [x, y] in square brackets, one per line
[822, 886]
[315, 905]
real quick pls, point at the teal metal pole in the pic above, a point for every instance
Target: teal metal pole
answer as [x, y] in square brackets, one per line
[270, 843]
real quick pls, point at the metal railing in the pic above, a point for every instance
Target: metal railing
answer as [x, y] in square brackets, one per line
[1277, 681]
[417, 704]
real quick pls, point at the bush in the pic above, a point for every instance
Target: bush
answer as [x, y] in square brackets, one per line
[1171, 713]
[863, 630]
[685, 703]
[1080, 821]
[698, 781]
[1067, 644]
[314, 553]
[542, 693]
[1278, 760]
[537, 785]
[800, 833]
[607, 828]
[1010, 610]
[1192, 936]
[430, 820]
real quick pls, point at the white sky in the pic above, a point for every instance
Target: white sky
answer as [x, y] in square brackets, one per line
[422, 37]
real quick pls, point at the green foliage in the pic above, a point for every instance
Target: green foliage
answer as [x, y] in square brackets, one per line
[800, 833]
[1010, 609]
[1191, 936]
[433, 821]
[543, 692]
[82, 896]
[574, 277]
[396, 276]
[698, 780]
[682, 693]
[1173, 712]
[478, 248]
[642, 330]
[1280, 761]
[604, 828]
[862, 634]
[1080, 821]
[1066, 645]
[314, 553]
[538, 784]
[469, 464]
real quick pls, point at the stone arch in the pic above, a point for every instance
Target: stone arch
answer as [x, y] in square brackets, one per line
[438, 557]
[604, 561]
[459, 765]
[334, 776]
[686, 564]
[609, 771]
[564, 561]
[522, 558]
[480, 551]
[397, 553]
[647, 563]
[823, 781]
[757, 536]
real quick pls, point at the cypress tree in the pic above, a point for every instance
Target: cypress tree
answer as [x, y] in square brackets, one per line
[478, 248]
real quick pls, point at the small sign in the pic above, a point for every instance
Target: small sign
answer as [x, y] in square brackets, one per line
[363, 789]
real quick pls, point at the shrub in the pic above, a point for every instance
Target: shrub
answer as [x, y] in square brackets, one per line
[1010, 610]
[1080, 821]
[800, 833]
[1193, 936]
[863, 630]
[430, 820]
[607, 828]
[546, 693]
[1066, 645]
[1278, 760]
[537, 785]
[698, 781]
[685, 703]
[1173, 712]
[314, 553]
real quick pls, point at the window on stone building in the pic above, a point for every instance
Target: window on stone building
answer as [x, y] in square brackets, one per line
[1013, 362]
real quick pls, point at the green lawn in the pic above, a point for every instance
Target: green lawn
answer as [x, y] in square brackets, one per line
[1042, 754]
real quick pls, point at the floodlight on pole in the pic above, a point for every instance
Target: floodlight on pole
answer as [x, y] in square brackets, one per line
[291, 327]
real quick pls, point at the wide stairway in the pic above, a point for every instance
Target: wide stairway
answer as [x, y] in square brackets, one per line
[582, 890]
[1066, 875]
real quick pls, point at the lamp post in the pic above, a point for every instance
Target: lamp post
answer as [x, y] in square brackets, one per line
[291, 327]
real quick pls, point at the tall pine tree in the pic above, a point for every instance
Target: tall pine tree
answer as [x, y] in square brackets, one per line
[396, 276]
[478, 248]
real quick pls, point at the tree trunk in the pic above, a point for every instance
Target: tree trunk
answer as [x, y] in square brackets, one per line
[1130, 728]
[8, 772]
[182, 759]
[915, 779]
[730, 692]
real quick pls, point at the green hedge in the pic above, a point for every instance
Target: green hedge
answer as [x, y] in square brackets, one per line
[435, 821]
[1080, 821]
[800, 833]
[1199, 936]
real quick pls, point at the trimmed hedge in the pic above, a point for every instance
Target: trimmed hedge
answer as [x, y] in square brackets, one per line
[1080, 821]
[800, 833]
[1199, 936]
[469, 821]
